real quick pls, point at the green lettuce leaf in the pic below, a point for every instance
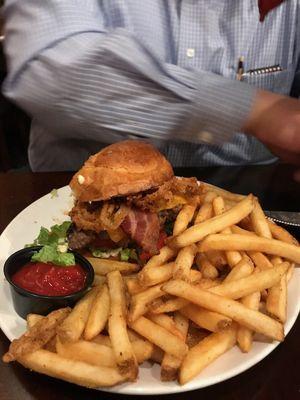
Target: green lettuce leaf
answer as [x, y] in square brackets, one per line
[127, 254]
[105, 253]
[52, 239]
[49, 254]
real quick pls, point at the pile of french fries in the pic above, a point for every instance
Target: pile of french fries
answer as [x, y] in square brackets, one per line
[221, 280]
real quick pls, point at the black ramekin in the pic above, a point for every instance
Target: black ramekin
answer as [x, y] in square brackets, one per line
[25, 302]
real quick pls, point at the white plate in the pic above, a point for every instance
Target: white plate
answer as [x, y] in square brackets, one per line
[47, 211]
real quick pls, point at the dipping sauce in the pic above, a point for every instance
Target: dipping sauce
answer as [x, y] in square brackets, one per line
[49, 279]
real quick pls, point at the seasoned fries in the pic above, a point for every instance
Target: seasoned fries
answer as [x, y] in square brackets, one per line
[276, 302]
[165, 254]
[233, 309]
[205, 353]
[78, 372]
[184, 262]
[259, 221]
[215, 224]
[140, 302]
[98, 315]
[252, 283]
[159, 336]
[208, 320]
[184, 217]
[152, 275]
[73, 326]
[103, 267]
[221, 280]
[170, 364]
[38, 335]
[117, 328]
[251, 243]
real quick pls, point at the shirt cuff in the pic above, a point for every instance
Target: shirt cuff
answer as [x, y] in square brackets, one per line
[220, 108]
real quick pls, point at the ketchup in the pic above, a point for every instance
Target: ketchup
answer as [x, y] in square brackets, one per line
[50, 279]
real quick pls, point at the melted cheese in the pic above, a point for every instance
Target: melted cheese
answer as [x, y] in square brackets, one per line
[176, 201]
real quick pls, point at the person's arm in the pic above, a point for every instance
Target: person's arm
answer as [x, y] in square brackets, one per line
[275, 120]
[67, 70]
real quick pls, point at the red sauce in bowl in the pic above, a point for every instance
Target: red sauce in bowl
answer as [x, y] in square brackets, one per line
[49, 279]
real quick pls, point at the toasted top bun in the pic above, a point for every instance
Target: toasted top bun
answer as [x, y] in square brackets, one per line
[121, 169]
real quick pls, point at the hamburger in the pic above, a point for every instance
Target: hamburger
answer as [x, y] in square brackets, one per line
[126, 201]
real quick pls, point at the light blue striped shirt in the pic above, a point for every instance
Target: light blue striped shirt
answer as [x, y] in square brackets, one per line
[92, 72]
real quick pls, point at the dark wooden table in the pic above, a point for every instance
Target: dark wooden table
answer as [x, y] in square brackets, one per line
[277, 377]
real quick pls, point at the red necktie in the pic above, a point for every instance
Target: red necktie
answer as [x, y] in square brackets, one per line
[267, 5]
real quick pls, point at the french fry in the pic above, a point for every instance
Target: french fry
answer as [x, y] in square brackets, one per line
[170, 364]
[195, 335]
[252, 283]
[160, 306]
[281, 234]
[90, 352]
[142, 348]
[37, 336]
[205, 212]
[240, 231]
[157, 355]
[233, 309]
[73, 326]
[103, 266]
[184, 262]
[195, 276]
[117, 328]
[207, 269]
[140, 301]
[290, 272]
[99, 280]
[166, 322]
[98, 315]
[275, 260]
[217, 258]
[240, 270]
[233, 257]
[260, 260]
[245, 335]
[224, 193]
[165, 254]
[207, 283]
[159, 336]
[253, 243]
[81, 373]
[276, 303]
[205, 352]
[259, 221]
[183, 218]
[208, 320]
[216, 224]
[153, 275]
[103, 340]
[133, 285]
[209, 196]
[32, 319]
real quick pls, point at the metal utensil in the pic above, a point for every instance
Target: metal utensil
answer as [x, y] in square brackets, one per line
[284, 217]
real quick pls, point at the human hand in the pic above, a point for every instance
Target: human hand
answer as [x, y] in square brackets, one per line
[275, 121]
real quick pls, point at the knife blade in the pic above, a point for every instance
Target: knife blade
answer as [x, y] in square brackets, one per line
[284, 217]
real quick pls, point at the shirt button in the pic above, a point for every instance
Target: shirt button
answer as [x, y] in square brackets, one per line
[190, 53]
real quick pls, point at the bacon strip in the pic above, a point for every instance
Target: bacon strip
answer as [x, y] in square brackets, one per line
[143, 227]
